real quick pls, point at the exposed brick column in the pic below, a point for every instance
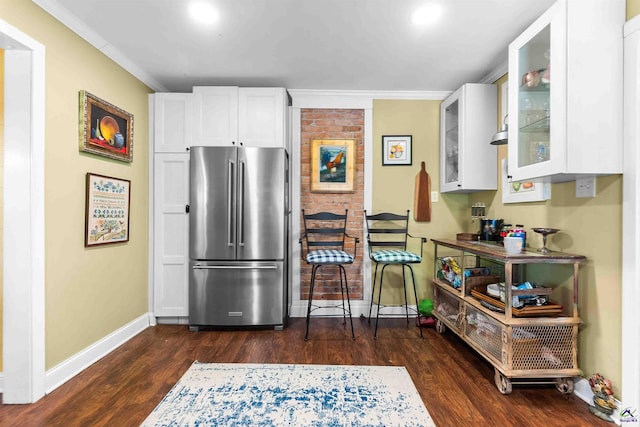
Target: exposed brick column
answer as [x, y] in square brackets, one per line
[333, 124]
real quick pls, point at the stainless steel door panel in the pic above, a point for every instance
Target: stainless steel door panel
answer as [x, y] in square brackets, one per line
[236, 294]
[261, 207]
[212, 203]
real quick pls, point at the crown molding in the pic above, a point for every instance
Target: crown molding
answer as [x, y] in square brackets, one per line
[318, 98]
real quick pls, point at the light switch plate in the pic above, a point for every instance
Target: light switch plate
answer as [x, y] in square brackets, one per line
[586, 186]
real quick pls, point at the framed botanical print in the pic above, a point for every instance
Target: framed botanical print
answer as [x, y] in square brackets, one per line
[523, 191]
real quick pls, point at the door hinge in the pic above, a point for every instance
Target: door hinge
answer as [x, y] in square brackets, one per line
[186, 209]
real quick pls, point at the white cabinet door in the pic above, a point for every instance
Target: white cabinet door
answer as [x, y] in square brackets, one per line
[171, 235]
[467, 121]
[565, 92]
[172, 132]
[253, 117]
[261, 117]
[215, 115]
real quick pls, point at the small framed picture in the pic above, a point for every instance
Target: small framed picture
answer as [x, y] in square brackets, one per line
[396, 150]
[107, 210]
[536, 190]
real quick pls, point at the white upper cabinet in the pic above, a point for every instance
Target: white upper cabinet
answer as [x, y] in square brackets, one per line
[468, 119]
[172, 112]
[253, 117]
[215, 115]
[262, 116]
[565, 92]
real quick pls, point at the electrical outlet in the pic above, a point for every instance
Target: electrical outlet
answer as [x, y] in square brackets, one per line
[434, 196]
[586, 186]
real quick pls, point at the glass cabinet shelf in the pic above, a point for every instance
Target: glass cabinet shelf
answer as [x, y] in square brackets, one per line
[539, 126]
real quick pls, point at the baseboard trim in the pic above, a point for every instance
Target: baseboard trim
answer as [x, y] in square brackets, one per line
[71, 367]
[172, 320]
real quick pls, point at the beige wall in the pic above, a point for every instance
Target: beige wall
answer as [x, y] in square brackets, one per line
[89, 292]
[590, 227]
[633, 8]
[393, 186]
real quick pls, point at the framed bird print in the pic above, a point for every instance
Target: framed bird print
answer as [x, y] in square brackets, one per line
[332, 165]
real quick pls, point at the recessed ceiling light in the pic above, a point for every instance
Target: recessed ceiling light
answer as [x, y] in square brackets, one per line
[203, 12]
[427, 14]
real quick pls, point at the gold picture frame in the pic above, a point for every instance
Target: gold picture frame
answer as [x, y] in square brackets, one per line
[107, 210]
[105, 129]
[332, 165]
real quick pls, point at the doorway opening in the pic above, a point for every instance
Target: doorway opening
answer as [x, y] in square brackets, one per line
[23, 211]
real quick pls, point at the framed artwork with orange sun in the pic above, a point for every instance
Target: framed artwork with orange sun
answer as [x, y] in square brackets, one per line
[105, 129]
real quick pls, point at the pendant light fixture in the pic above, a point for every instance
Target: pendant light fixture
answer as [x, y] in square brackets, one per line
[502, 136]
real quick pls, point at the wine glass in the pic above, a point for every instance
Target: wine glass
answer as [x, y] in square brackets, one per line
[545, 232]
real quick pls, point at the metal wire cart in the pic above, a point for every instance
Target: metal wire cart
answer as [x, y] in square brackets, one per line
[521, 332]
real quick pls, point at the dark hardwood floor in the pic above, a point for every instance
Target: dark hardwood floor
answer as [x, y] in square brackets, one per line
[455, 383]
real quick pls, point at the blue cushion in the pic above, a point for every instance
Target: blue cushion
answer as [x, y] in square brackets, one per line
[324, 256]
[395, 256]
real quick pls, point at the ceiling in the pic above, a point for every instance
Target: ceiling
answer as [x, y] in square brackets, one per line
[368, 45]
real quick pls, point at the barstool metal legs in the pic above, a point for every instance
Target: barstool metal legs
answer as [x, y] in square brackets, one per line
[344, 288]
[313, 279]
[406, 301]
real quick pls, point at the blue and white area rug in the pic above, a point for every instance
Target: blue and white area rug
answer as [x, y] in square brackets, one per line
[212, 394]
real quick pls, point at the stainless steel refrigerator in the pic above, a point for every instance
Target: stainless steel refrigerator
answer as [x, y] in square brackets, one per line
[238, 216]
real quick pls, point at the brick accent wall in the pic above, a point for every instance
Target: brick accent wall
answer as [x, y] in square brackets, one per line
[333, 124]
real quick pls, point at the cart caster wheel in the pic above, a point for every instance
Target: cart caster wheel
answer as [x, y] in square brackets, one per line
[503, 383]
[440, 327]
[564, 385]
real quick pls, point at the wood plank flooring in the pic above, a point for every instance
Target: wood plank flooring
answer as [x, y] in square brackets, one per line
[455, 383]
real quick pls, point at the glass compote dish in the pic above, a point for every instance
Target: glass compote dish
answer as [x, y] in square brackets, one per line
[545, 232]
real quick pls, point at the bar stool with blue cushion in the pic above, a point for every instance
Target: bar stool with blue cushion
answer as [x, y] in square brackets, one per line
[387, 236]
[323, 243]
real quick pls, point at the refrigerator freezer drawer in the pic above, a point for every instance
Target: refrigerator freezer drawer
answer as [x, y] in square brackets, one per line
[236, 294]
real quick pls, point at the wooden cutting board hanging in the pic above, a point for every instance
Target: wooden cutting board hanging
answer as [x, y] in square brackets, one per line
[422, 196]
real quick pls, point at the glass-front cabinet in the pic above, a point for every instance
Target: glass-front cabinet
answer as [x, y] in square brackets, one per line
[534, 100]
[451, 144]
[565, 93]
[467, 122]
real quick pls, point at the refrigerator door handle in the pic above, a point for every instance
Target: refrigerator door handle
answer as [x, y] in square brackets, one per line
[230, 202]
[241, 206]
[234, 267]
